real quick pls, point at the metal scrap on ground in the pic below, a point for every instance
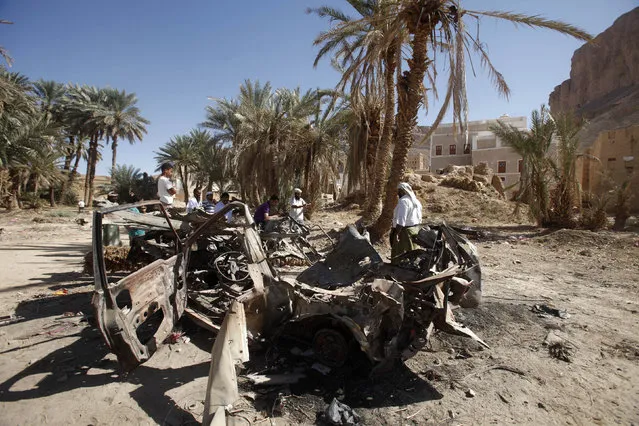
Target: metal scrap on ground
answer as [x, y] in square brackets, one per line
[347, 302]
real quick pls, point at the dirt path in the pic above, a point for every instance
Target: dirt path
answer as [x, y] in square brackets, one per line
[56, 369]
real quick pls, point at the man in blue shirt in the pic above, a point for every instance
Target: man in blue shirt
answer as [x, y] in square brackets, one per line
[263, 213]
[209, 204]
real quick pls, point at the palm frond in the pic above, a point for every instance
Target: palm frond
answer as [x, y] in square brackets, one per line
[536, 21]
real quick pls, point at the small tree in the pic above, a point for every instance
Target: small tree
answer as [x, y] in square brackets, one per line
[621, 208]
[124, 181]
[565, 194]
[534, 147]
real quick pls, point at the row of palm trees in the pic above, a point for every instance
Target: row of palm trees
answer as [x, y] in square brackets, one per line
[47, 128]
[392, 54]
[265, 142]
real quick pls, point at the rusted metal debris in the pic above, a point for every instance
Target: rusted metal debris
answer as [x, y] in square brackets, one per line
[222, 276]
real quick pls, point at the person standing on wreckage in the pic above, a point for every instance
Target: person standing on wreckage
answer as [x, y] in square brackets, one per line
[407, 219]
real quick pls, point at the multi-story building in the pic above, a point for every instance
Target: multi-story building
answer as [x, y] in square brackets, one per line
[448, 146]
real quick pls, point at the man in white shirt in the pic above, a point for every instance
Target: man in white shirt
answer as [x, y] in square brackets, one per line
[194, 202]
[407, 219]
[297, 206]
[224, 200]
[166, 188]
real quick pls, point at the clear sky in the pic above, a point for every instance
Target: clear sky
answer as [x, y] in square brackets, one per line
[175, 54]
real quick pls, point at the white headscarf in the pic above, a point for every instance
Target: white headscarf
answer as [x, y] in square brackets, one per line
[413, 198]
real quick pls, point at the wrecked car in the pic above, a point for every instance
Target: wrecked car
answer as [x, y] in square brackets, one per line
[349, 303]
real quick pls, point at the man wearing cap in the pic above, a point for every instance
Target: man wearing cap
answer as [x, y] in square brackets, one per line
[224, 200]
[297, 206]
[166, 188]
[209, 204]
[194, 202]
[407, 219]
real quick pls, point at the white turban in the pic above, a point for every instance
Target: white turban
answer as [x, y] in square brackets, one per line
[413, 198]
[297, 191]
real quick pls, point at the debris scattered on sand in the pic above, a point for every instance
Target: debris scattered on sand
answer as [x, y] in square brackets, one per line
[340, 414]
[275, 379]
[559, 347]
[545, 311]
[10, 319]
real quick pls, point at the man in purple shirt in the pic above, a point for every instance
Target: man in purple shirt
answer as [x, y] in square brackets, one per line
[263, 213]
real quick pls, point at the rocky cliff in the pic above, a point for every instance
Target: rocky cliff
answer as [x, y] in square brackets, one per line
[604, 79]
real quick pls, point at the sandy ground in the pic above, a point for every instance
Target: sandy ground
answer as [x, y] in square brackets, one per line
[55, 369]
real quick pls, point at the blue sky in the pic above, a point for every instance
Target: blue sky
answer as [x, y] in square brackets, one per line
[174, 55]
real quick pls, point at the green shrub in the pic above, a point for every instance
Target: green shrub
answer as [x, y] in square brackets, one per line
[31, 200]
[60, 213]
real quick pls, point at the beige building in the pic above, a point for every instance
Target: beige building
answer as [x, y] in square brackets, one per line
[446, 146]
[617, 159]
[419, 154]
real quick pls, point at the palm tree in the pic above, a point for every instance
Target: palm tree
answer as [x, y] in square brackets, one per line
[86, 107]
[320, 148]
[183, 153]
[439, 26]
[566, 194]
[534, 146]
[121, 119]
[368, 48]
[259, 125]
[212, 167]
[50, 94]
[27, 137]
[124, 181]
[42, 168]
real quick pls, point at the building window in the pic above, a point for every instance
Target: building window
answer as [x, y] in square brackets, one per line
[612, 159]
[438, 150]
[501, 167]
[452, 149]
[520, 166]
[467, 148]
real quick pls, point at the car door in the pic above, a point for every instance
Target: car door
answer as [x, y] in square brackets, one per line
[135, 314]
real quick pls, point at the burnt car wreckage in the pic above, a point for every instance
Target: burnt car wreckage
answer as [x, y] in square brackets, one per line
[220, 276]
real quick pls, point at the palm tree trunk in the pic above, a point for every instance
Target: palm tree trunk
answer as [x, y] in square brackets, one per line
[93, 163]
[74, 171]
[114, 147]
[52, 196]
[409, 89]
[372, 147]
[88, 172]
[67, 166]
[381, 165]
[14, 200]
[69, 157]
[185, 184]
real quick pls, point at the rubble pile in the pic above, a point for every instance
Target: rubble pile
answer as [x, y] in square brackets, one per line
[469, 178]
